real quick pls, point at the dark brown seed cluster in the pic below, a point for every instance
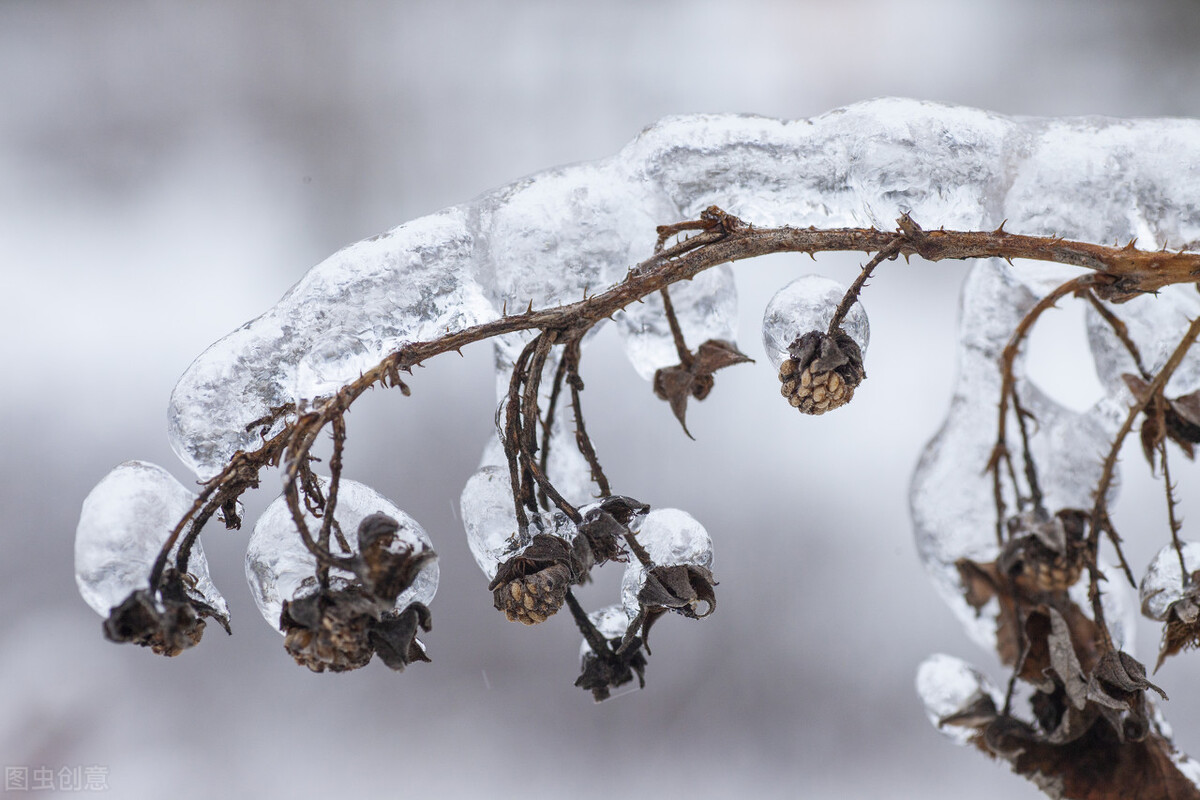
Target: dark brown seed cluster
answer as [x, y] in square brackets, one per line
[532, 586]
[536, 597]
[329, 631]
[168, 624]
[1044, 553]
[822, 372]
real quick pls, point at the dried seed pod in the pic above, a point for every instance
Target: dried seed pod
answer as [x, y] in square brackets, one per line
[330, 630]
[532, 586]
[1044, 553]
[821, 372]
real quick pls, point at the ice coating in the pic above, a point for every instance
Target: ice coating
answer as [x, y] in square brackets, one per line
[1154, 323]
[124, 521]
[412, 283]
[611, 621]
[566, 468]
[279, 566]
[808, 304]
[490, 520]
[1163, 584]
[670, 537]
[571, 231]
[950, 686]
[706, 308]
[952, 506]
[486, 506]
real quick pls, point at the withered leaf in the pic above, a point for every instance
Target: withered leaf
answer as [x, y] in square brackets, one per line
[1064, 661]
[1121, 671]
[395, 637]
[679, 588]
[1177, 419]
[676, 384]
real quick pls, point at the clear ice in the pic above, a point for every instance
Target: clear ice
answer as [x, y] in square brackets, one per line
[706, 308]
[570, 232]
[611, 621]
[279, 567]
[808, 304]
[123, 524]
[490, 519]
[670, 537]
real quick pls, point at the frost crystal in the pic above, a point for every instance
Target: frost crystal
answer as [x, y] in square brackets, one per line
[1163, 584]
[123, 524]
[670, 537]
[807, 304]
[279, 567]
[956, 695]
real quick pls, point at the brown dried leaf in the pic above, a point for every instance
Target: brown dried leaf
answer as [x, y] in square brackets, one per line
[676, 384]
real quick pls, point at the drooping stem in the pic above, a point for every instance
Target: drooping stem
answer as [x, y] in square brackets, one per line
[1099, 515]
[839, 315]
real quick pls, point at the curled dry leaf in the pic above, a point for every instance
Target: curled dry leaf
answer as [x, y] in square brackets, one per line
[695, 379]
[1177, 419]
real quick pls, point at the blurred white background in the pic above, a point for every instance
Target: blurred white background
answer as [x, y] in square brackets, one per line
[167, 170]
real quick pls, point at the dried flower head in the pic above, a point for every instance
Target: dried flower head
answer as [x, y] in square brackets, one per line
[822, 372]
[532, 586]
[168, 624]
[1044, 553]
[341, 629]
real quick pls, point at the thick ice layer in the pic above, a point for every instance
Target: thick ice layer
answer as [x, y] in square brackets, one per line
[279, 566]
[705, 306]
[808, 304]
[573, 231]
[951, 496]
[566, 467]
[414, 283]
[1154, 323]
[611, 621]
[950, 686]
[123, 524]
[670, 537]
[1163, 583]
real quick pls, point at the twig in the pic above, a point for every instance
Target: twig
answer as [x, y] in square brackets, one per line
[889, 251]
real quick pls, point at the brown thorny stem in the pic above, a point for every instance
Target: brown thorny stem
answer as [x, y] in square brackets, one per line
[1118, 274]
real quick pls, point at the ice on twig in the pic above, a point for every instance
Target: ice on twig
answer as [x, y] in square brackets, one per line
[279, 567]
[124, 522]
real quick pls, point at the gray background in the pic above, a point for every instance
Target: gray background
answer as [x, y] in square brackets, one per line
[168, 170]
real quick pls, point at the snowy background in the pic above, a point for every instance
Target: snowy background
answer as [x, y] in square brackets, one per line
[166, 172]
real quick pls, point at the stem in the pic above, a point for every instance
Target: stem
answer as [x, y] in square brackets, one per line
[848, 300]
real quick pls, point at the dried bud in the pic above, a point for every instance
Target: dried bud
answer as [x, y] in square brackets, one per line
[612, 667]
[387, 566]
[167, 626]
[532, 585]
[686, 589]
[822, 372]
[1043, 553]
